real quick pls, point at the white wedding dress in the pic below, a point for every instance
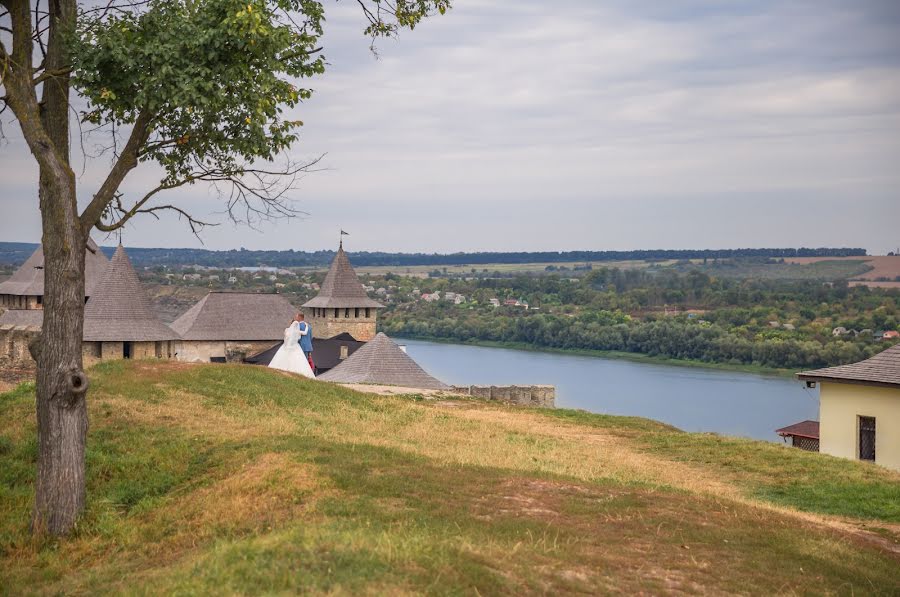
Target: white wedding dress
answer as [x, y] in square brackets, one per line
[290, 356]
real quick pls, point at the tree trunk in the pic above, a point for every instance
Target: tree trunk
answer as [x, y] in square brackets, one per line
[61, 383]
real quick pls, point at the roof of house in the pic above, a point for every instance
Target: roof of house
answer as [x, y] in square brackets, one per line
[808, 429]
[382, 362]
[119, 308]
[883, 369]
[236, 316]
[341, 288]
[326, 351]
[28, 280]
[26, 317]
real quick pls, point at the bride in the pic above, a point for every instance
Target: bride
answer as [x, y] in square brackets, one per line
[290, 356]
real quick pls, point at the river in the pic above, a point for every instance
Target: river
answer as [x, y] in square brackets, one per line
[690, 398]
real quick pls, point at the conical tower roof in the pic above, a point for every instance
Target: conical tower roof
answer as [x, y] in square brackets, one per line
[119, 310]
[341, 288]
[28, 280]
[382, 362]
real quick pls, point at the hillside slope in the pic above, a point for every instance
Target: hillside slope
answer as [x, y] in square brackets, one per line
[232, 479]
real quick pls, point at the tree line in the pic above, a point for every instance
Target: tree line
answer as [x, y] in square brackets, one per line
[17, 252]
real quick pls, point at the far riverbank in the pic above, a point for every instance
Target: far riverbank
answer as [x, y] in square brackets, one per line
[614, 354]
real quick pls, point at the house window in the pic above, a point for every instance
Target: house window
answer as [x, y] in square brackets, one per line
[344, 351]
[356, 313]
[867, 438]
[367, 312]
[337, 313]
[347, 313]
[126, 350]
[40, 300]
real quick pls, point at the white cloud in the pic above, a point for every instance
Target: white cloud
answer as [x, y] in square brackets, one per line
[587, 106]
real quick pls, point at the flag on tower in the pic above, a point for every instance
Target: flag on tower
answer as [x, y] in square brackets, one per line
[343, 233]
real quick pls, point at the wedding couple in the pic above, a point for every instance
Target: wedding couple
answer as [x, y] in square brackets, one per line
[294, 354]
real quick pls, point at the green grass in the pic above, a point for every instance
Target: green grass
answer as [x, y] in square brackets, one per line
[803, 480]
[237, 480]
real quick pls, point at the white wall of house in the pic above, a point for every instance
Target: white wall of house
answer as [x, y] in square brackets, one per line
[841, 405]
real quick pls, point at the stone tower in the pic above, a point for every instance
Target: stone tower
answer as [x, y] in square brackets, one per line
[342, 304]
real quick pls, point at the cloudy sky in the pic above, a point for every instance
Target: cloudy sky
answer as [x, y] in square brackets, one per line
[580, 124]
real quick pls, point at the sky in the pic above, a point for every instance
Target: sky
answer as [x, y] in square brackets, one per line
[517, 125]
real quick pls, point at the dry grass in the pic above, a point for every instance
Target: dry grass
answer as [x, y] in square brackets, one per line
[234, 480]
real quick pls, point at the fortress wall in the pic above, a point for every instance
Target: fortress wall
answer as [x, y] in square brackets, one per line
[14, 342]
[540, 396]
[237, 350]
[201, 351]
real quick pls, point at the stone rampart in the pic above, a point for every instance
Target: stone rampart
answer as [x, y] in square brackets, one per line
[14, 341]
[541, 396]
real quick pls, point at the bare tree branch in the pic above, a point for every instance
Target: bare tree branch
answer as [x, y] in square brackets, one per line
[127, 161]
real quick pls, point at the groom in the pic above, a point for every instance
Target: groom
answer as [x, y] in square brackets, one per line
[306, 338]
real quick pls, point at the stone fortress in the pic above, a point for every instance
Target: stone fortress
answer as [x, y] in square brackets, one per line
[228, 327]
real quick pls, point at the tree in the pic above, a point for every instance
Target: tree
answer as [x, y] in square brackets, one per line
[201, 88]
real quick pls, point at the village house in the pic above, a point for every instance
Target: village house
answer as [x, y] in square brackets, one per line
[859, 410]
[342, 305]
[25, 288]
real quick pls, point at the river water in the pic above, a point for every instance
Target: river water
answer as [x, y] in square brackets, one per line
[692, 399]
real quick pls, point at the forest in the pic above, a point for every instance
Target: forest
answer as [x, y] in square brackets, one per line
[16, 253]
[691, 316]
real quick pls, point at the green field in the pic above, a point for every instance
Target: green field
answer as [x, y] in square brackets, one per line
[231, 479]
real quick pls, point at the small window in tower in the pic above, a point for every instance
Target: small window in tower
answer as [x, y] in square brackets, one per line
[367, 313]
[347, 313]
[356, 313]
[337, 313]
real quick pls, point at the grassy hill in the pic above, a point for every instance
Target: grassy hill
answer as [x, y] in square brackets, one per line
[228, 479]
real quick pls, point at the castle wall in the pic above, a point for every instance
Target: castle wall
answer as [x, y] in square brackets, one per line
[14, 341]
[202, 351]
[199, 351]
[361, 328]
[540, 396]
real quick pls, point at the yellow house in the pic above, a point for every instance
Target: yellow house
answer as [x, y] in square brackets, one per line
[859, 408]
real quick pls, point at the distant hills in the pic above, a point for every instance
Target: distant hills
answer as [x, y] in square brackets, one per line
[16, 253]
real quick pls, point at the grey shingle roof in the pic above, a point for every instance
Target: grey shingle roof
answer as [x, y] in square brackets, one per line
[883, 369]
[27, 317]
[119, 309]
[381, 361]
[341, 288]
[28, 280]
[236, 316]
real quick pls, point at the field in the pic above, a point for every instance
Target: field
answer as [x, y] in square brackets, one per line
[231, 479]
[883, 266]
[422, 271]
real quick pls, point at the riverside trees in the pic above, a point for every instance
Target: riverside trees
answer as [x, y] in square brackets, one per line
[202, 88]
